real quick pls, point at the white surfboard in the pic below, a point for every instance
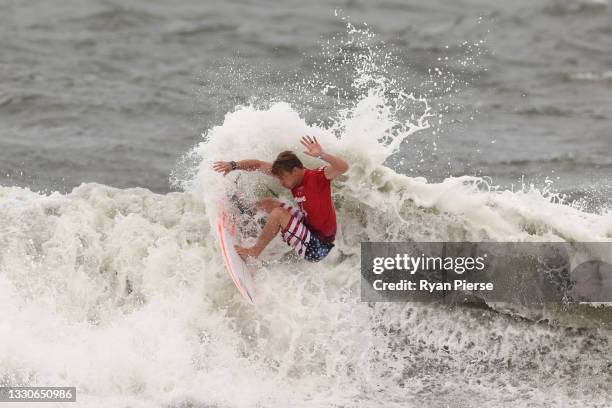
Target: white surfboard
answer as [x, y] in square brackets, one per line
[238, 270]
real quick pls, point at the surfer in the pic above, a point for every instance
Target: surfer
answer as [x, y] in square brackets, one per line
[309, 228]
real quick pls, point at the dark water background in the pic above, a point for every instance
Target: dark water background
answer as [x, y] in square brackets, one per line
[115, 92]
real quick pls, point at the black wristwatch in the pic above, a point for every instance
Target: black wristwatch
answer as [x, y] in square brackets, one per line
[234, 165]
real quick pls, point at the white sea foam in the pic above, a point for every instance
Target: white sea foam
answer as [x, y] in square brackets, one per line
[123, 292]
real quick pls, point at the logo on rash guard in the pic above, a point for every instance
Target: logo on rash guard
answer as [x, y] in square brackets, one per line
[300, 201]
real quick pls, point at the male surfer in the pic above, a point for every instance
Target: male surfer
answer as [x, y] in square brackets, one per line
[311, 228]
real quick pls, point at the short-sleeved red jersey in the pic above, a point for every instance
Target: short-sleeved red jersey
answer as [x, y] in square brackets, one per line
[313, 195]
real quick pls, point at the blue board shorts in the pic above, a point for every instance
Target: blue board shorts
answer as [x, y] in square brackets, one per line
[316, 250]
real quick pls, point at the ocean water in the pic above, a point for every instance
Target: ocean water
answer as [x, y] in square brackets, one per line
[462, 121]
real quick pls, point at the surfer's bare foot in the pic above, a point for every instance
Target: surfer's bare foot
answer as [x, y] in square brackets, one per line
[246, 252]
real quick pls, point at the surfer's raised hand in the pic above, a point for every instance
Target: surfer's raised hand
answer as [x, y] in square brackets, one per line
[222, 167]
[313, 148]
[337, 165]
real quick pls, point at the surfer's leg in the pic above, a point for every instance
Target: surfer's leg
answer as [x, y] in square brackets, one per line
[277, 220]
[268, 204]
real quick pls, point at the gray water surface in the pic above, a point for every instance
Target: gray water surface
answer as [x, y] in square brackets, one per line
[115, 92]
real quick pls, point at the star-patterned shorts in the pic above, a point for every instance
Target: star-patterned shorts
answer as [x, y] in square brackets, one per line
[316, 250]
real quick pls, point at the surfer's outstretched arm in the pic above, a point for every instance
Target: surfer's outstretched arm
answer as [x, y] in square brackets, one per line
[337, 165]
[248, 165]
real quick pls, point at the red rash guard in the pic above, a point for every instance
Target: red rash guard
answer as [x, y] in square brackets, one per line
[313, 195]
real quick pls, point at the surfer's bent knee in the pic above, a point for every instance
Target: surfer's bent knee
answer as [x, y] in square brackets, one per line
[268, 204]
[280, 214]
